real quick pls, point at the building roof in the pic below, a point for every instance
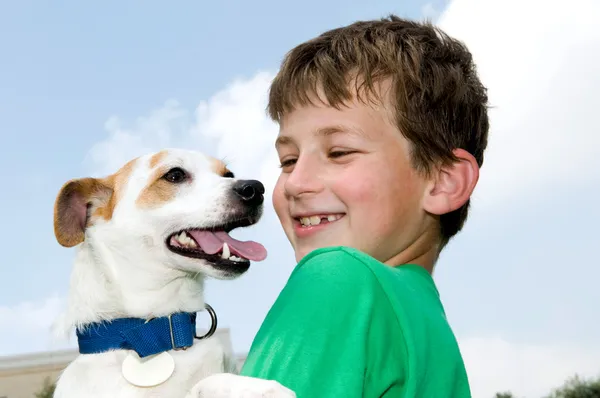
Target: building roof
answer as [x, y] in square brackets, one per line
[37, 359]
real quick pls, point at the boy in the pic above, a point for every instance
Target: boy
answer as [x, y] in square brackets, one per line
[383, 125]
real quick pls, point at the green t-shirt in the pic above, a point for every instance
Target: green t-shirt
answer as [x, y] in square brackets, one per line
[346, 325]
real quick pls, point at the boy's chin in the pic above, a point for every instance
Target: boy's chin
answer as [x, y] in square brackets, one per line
[305, 250]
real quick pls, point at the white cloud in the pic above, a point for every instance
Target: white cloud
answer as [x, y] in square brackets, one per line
[527, 370]
[162, 128]
[539, 59]
[232, 125]
[26, 326]
[236, 119]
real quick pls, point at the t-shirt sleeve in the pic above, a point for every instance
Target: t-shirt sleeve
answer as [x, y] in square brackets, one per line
[330, 323]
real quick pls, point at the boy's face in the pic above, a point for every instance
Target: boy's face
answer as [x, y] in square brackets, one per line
[347, 173]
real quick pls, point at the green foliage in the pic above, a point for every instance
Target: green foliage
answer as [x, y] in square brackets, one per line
[47, 390]
[505, 394]
[577, 387]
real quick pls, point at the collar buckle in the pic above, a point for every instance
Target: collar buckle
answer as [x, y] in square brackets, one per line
[213, 322]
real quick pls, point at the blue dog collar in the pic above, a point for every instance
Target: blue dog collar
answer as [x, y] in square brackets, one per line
[146, 337]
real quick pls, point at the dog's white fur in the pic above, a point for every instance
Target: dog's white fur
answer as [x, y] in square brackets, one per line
[124, 269]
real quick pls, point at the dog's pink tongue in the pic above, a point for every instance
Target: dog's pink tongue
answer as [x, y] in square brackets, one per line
[212, 242]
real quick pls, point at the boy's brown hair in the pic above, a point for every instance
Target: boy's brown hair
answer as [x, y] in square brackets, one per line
[440, 104]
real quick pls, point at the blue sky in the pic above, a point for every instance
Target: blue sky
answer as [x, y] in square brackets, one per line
[85, 87]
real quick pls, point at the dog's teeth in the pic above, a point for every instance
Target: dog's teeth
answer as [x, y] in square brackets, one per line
[185, 241]
[226, 253]
[236, 258]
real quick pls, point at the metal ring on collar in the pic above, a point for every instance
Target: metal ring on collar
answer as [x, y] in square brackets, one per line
[213, 320]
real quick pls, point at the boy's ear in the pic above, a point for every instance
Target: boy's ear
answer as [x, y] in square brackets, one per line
[71, 209]
[453, 184]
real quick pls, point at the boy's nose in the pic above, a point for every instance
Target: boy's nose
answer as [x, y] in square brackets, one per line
[303, 179]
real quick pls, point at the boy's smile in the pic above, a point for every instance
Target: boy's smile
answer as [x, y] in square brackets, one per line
[307, 224]
[347, 180]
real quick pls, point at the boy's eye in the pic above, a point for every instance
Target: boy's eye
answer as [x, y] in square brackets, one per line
[339, 154]
[287, 163]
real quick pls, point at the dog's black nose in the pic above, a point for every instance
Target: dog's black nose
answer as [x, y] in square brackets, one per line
[250, 191]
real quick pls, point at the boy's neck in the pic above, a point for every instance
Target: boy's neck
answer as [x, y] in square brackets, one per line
[423, 252]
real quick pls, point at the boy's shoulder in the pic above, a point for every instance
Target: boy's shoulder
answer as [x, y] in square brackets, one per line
[329, 260]
[350, 269]
[338, 262]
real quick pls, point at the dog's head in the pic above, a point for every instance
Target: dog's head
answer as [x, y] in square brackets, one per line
[175, 207]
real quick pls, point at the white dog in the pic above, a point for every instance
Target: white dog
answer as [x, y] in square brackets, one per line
[147, 237]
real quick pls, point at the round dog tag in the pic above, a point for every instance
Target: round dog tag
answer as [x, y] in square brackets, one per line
[149, 371]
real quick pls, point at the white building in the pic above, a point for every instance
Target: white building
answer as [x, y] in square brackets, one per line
[21, 376]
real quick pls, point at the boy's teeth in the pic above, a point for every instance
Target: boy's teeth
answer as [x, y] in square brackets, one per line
[316, 220]
[226, 253]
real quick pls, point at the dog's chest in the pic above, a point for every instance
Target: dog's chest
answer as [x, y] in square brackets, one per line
[99, 375]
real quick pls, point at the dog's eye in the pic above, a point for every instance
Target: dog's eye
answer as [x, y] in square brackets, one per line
[175, 175]
[229, 174]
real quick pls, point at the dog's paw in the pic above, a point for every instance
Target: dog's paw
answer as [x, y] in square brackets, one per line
[227, 385]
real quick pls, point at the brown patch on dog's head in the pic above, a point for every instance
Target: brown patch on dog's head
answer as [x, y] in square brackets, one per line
[118, 181]
[220, 168]
[157, 158]
[158, 191]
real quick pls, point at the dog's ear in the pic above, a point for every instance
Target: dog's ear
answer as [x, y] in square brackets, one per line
[74, 204]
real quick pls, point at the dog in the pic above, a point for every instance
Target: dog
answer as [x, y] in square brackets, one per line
[147, 237]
